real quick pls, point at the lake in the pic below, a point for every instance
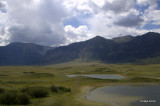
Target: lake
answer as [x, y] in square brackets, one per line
[127, 95]
[101, 76]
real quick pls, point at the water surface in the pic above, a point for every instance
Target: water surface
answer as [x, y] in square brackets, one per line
[101, 76]
[127, 95]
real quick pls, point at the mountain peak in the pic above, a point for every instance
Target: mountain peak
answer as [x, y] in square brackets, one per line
[98, 38]
[151, 33]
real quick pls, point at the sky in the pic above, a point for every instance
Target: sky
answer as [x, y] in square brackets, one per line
[61, 22]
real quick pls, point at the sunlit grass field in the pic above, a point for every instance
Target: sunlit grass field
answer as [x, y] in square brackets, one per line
[19, 77]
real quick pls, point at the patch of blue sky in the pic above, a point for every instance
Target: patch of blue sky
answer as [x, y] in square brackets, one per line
[73, 21]
[151, 27]
[141, 8]
[158, 5]
[77, 21]
[3, 10]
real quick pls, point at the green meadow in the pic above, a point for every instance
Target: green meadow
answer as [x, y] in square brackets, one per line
[49, 85]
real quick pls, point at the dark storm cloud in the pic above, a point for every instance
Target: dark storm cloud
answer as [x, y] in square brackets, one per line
[130, 21]
[40, 23]
[118, 6]
[44, 36]
[2, 5]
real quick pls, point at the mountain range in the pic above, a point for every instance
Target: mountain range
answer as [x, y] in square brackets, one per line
[126, 49]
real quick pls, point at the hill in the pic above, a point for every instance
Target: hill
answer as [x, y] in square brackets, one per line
[117, 50]
[22, 53]
[123, 49]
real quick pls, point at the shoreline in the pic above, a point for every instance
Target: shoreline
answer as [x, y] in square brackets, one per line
[82, 96]
[86, 90]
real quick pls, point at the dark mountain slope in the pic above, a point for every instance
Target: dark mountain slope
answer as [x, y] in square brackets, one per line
[106, 50]
[124, 49]
[22, 53]
[123, 39]
[145, 46]
[97, 48]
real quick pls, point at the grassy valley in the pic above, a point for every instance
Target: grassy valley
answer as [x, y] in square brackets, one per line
[69, 90]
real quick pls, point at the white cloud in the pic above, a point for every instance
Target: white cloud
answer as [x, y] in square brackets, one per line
[99, 3]
[77, 34]
[36, 21]
[152, 16]
[4, 36]
[78, 6]
[41, 21]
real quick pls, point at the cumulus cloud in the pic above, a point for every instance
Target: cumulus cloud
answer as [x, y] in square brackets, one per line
[77, 34]
[39, 23]
[152, 16]
[4, 36]
[42, 35]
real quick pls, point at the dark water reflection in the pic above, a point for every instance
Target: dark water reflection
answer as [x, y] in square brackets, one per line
[148, 95]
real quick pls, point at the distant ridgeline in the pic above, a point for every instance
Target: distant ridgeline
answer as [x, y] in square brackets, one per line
[127, 49]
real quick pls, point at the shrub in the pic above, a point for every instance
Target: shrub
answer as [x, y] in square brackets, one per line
[1, 90]
[36, 92]
[14, 98]
[24, 98]
[63, 89]
[54, 88]
[59, 89]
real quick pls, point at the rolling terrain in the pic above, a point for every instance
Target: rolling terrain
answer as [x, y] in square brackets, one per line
[17, 78]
